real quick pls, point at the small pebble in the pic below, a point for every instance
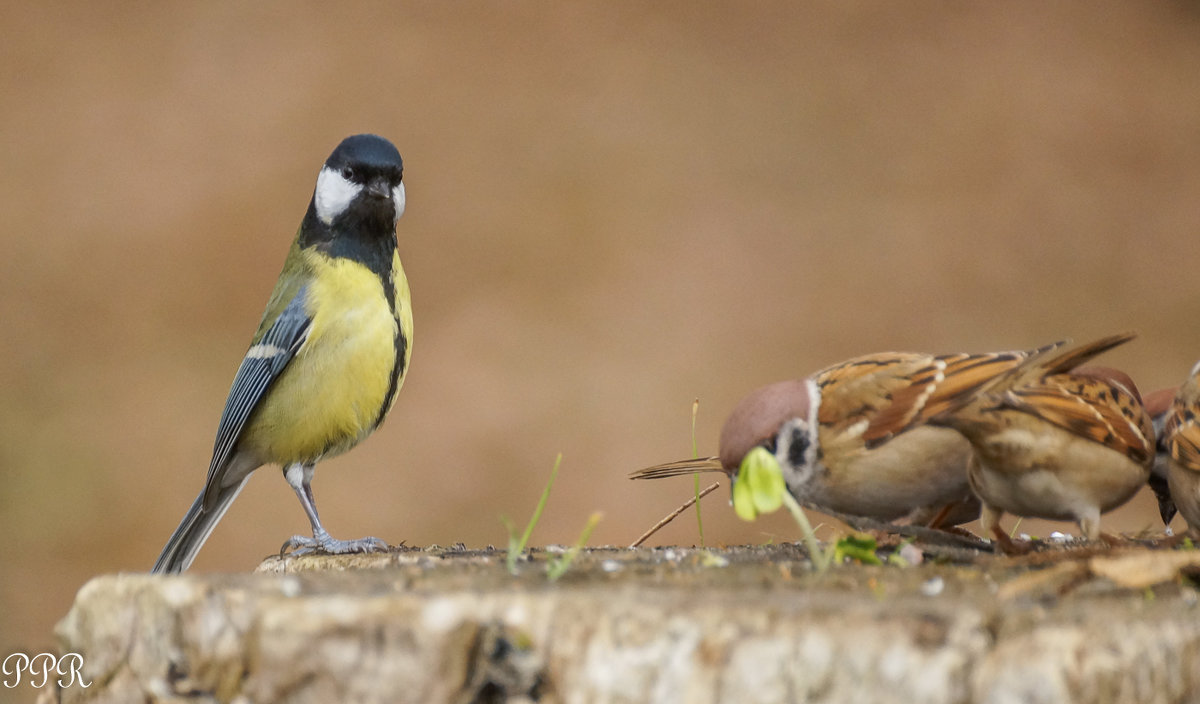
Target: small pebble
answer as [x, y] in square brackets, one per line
[933, 586]
[610, 565]
[912, 554]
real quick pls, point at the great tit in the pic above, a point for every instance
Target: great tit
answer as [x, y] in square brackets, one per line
[329, 356]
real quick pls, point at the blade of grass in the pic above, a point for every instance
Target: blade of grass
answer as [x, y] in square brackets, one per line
[696, 476]
[516, 547]
[558, 567]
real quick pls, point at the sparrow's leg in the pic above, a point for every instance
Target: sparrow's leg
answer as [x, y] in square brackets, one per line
[942, 515]
[989, 521]
[299, 476]
[989, 518]
[1089, 523]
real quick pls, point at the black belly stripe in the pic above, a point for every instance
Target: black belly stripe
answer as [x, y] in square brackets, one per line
[401, 347]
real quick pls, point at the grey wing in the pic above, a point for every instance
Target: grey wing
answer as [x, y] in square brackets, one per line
[263, 363]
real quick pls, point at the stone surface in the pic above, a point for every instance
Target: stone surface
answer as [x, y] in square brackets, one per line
[647, 625]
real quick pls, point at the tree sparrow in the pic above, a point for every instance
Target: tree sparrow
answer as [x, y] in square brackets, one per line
[852, 438]
[1181, 436]
[1055, 441]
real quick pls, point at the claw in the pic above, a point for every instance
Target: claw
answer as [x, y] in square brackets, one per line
[304, 545]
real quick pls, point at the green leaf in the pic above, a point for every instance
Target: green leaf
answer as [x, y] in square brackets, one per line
[762, 472]
[857, 547]
[743, 501]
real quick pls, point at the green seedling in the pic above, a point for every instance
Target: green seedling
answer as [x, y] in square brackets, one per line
[857, 547]
[759, 488]
[516, 546]
[558, 567]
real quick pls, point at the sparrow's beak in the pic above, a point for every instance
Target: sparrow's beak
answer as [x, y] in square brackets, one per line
[379, 188]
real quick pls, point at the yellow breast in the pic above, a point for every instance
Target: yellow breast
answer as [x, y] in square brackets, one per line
[333, 391]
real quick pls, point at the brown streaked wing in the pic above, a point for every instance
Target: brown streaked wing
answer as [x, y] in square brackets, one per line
[947, 384]
[1182, 433]
[1184, 446]
[679, 468]
[857, 389]
[1090, 408]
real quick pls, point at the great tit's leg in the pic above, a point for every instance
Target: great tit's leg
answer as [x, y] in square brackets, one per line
[299, 476]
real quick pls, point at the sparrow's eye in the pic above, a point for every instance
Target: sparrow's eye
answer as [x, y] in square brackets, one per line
[348, 173]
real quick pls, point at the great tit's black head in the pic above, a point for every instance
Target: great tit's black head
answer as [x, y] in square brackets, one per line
[362, 179]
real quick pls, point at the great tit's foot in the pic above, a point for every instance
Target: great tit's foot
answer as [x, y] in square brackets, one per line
[323, 542]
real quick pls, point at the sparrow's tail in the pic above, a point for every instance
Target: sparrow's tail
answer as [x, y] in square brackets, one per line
[679, 468]
[1041, 365]
[193, 530]
[1038, 364]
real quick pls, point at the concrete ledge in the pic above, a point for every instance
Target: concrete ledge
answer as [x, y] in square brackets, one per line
[646, 625]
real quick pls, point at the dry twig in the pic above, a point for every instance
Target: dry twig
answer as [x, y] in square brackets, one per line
[671, 516]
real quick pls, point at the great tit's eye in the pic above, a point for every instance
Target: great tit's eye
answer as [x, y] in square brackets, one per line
[348, 173]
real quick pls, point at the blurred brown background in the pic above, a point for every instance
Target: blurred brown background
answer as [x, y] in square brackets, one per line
[613, 208]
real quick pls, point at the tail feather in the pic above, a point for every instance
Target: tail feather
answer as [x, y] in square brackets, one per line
[679, 468]
[1040, 363]
[1075, 357]
[193, 530]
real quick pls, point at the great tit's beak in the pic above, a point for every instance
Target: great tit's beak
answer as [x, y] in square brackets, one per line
[379, 188]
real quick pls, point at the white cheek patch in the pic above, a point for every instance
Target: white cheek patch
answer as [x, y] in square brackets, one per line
[334, 194]
[398, 199]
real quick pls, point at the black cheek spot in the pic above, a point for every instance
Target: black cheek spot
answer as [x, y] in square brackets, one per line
[798, 447]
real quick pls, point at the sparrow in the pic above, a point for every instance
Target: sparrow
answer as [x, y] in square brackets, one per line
[1181, 440]
[1055, 441]
[852, 438]
[329, 356]
[1158, 405]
